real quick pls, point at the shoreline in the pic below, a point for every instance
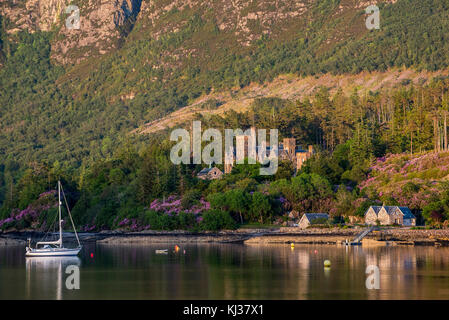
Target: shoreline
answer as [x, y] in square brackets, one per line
[282, 235]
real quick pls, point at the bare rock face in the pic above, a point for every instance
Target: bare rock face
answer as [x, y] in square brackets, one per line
[247, 19]
[100, 23]
[49, 12]
[104, 22]
[31, 15]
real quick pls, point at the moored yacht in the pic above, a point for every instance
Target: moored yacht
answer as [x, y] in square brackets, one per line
[55, 248]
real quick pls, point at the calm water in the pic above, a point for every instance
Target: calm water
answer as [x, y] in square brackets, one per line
[228, 272]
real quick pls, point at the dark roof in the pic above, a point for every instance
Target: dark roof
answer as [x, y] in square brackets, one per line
[205, 171]
[407, 213]
[297, 149]
[390, 209]
[375, 208]
[300, 149]
[313, 216]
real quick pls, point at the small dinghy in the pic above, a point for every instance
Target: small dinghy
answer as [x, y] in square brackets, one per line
[54, 248]
[162, 251]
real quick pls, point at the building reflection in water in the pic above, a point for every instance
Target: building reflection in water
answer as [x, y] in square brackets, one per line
[220, 271]
[411, 272]
[275, 272]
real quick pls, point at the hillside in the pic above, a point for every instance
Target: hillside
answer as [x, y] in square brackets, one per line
[164, 55]
[72, 100]
[239, 23]
[289, 87]
[411, 180]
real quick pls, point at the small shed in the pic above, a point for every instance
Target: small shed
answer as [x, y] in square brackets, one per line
[312, 218]
[408, 218]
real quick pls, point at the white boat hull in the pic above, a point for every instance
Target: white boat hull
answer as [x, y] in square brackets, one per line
[55, 248]
[52, 252]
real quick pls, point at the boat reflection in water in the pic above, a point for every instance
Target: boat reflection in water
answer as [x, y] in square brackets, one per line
[229, 271]
[46, 276]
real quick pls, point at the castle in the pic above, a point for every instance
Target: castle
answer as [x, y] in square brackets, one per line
[287, 151]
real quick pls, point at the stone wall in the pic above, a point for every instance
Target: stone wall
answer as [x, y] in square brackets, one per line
[416, 235]
[396, 218]
[321, 231]
[303, 223]
[384, 217]
[371, 217]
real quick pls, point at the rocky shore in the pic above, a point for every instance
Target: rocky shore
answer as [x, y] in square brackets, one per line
[384, 236]
[283, 235]
[416, 237]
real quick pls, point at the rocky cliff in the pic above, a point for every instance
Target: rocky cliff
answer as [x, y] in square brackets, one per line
[32, 15]
[103, 23]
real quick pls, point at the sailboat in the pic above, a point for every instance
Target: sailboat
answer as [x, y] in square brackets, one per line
[55, 248]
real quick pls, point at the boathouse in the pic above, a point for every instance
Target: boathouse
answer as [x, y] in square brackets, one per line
[389, 215]
[308, 219]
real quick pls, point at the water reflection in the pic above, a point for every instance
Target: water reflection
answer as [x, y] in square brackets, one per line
[229, 272]
[411, 272]
[45, 276]
[277, 272]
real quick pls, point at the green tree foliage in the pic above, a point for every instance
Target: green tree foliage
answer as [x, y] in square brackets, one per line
[217, 220]
[436, 212]
[73, 123]
[260, 207]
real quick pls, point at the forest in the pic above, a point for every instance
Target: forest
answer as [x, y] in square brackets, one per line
[138, 187]
[72, 123]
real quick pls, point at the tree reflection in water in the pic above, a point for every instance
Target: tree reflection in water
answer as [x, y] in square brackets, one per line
[219, 271]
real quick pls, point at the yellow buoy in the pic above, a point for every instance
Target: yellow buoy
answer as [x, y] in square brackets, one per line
[292, 245]
[327, 263]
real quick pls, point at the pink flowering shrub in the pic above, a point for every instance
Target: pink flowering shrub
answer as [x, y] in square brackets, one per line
[34, 215]
[168, 214]
[411, 181]
[172, 205]
[131, 225]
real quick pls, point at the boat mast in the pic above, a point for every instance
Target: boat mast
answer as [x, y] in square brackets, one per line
[59, 206]
[70, 216]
